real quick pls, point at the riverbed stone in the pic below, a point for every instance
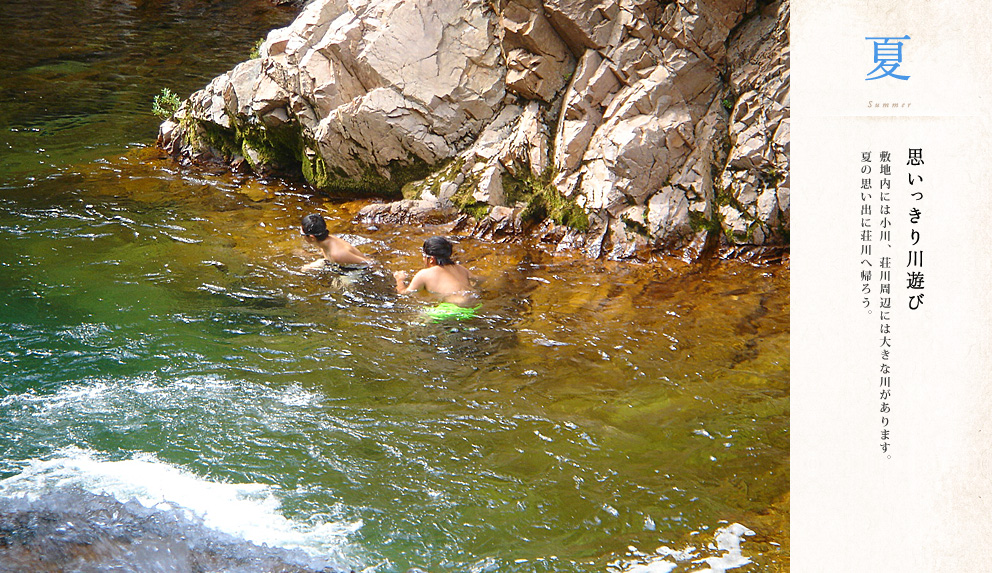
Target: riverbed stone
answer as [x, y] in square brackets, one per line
[407, 212]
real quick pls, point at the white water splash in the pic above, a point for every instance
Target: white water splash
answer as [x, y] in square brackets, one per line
[249, 511]
[727, 541]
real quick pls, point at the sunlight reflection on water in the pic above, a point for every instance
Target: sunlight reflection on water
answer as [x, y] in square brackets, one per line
[156, 315]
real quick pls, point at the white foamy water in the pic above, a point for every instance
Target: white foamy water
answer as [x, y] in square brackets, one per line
[248, 511]
[726, 546]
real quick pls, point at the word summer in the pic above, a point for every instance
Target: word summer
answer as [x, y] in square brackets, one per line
[888, 104]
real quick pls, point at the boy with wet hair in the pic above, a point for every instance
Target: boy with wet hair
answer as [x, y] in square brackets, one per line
[336, 251]
[441, 275]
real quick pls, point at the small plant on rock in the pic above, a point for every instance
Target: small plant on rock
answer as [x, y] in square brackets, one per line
[165, 104]
[256, 50]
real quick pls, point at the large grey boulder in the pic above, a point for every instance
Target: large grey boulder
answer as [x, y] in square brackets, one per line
[362, 89]
[641, 126]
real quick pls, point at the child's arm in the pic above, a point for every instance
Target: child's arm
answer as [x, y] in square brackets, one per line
[419, 281]
[402, 287]
[400, 277]
[318, 264]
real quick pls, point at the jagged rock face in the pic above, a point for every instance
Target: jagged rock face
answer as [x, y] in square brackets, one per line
[645, 124]
[757, 171]
[365, 84]
[641, 140]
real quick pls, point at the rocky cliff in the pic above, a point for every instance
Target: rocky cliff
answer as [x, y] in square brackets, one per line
[620, 127]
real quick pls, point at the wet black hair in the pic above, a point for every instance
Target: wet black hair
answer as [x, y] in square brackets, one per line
[439, 248]
[315, 226]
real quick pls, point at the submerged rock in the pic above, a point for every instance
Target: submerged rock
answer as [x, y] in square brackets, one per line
[639, 125]
[73, 530]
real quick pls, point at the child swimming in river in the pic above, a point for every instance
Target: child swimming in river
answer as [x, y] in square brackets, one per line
[336, 250]
[443, 277]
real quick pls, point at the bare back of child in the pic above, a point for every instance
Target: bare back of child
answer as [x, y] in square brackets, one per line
[335, 250]
[441, 275]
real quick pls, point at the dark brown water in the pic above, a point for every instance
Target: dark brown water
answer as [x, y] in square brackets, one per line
[157, 341]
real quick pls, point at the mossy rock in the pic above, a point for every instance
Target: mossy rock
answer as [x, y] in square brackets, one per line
[286, 148]
[464, 199]
[275, 147]
[544, 201]
[448, 172]
[371, 183]
[700, 222]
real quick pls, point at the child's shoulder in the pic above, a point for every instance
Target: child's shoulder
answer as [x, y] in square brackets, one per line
[432, 271]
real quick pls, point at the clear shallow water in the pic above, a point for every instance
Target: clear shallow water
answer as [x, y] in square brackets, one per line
[158, 342]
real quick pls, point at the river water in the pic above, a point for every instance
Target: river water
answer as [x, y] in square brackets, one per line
[158, 343]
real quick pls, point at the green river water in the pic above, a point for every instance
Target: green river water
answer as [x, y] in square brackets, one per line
[158, 342]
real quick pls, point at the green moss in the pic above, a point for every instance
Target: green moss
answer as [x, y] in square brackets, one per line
[544, 201]
[725, 197]
[276, 147]
[334, 181]
[447, 172]
[315, 170]
[413, 189]
[637, 227]
[285, 147]
[222, 139]
[476, 210]
[699, 222]
[187, 128]
[256, 50]
[464, 199]
[403, 172]
[516, 190]
[771, 177]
